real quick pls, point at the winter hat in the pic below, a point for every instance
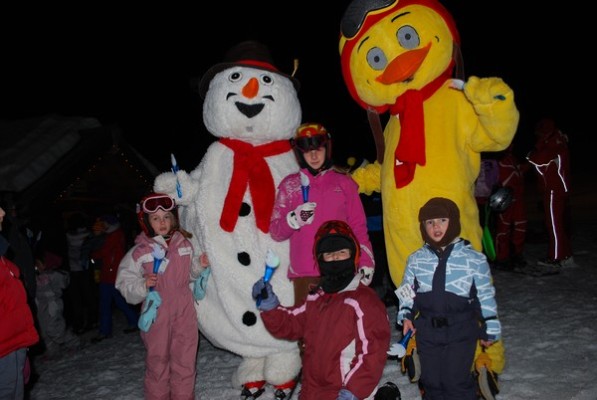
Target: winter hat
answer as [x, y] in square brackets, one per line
[336, 274]
[245, 54]
[439, 207]
[331, 243]
[149, 204]
[335, 235]
[311, 136]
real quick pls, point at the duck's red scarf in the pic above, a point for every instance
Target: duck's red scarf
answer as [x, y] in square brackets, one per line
[250, 169]
[410, 150]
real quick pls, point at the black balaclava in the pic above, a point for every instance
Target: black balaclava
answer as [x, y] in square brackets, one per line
[439, 207]
[335, 275]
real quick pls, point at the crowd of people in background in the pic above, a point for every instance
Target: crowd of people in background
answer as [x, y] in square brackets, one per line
[68, 290]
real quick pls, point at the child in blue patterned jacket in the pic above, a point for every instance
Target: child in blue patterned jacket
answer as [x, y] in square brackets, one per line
[447, 297]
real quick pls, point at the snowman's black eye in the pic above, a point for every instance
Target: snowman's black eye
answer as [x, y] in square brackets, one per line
[266, 79]
[235, 76]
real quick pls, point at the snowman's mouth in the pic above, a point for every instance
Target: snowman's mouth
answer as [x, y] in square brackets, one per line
[249, 110]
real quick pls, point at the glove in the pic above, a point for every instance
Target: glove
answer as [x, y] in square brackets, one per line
[366, 275]
[486, 378]
[150, 311]
[200, 284]
[486, 91]
[302, 215]
[345, 394]
[264, 294]
[410, 362]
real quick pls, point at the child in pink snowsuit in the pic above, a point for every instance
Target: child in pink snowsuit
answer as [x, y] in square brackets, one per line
[172, 339]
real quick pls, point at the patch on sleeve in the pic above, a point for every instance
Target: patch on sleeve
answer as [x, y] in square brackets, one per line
[185, 251]
[405, 293]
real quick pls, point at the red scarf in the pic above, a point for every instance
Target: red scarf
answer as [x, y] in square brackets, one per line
[250, 169]
[410, 150]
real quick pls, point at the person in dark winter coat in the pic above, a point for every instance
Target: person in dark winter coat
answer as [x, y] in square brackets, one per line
[343, 323]
[551, 160]
[447, 298]
[82, 289]
[17, 330]
[109, 256]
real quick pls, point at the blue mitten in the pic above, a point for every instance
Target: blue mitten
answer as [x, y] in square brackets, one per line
[201, 284]
[345, 394]
[264, 294]
[150, 311]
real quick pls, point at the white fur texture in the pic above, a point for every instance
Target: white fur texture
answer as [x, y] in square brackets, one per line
[226, 312]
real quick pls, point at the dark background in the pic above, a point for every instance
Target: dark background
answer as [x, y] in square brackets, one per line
[134, 66]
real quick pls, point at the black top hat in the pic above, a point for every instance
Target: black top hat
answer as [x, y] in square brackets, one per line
[248, 54]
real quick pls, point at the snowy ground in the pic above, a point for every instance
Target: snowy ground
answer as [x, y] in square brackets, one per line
[549, 335]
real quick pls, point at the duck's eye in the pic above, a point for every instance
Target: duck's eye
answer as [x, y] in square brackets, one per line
[377, 59]
[235, 76]
[266, 79]
[408, 37]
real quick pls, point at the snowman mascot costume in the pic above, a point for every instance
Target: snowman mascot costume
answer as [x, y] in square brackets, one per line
[227, 201]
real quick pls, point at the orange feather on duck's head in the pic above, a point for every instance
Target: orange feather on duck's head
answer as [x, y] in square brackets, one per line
[390, 46]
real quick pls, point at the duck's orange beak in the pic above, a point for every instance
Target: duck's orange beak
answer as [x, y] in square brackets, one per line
[404, 66]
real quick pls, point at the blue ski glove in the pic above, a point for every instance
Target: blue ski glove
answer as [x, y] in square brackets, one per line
[345, 394]
[200, 284]
[263, 290]
[150, 311]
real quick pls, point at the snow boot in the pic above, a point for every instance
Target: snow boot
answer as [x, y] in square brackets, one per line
[252, 390]
[389, 391]
[285, 390]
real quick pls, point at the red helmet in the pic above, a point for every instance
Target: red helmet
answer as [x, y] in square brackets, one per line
[311, 136]
[149, 205]
[335, 235]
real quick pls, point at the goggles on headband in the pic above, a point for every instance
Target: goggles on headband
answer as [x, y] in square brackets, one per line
[153, 203]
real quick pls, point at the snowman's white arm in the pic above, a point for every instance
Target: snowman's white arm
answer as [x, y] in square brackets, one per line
[167, 182]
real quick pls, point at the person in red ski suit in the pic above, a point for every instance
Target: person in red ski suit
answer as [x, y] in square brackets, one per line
[17, 330]
[172, 339]
[511, 224]
[344, 324]
[551, 160]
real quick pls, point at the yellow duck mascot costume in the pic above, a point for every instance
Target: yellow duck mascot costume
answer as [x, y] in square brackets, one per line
[398, 56]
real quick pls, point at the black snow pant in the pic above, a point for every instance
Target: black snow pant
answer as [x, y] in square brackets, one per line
[446, 347]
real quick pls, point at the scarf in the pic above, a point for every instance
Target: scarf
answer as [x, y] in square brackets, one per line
[250, 169]
[410, 150]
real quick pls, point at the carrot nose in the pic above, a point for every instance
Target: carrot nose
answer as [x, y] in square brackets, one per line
[251, 88]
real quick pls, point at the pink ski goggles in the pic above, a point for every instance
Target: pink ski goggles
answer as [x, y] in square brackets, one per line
[156, 202]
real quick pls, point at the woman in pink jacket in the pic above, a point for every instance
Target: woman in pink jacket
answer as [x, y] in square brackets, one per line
[168, 320]
[306, 199]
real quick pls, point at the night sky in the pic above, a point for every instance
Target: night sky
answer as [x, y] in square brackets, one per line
[134, 67]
